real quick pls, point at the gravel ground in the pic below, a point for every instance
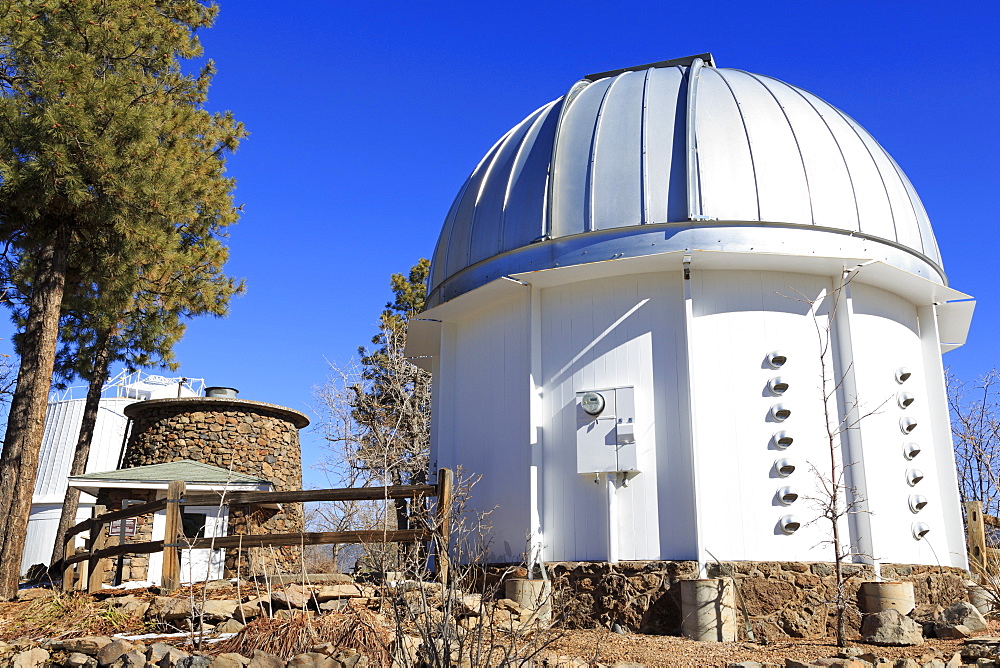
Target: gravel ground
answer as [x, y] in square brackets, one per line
[609, 648]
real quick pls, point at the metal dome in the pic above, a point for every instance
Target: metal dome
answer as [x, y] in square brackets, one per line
[675, 156]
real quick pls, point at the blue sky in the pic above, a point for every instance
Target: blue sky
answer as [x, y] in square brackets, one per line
[365, 119]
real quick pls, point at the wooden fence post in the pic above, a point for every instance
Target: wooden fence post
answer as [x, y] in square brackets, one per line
[172, 533]
[976, 535]
[69, 549]
[95, 566]
[445, 497]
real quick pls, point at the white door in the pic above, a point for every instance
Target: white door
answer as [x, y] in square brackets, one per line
[201, 564]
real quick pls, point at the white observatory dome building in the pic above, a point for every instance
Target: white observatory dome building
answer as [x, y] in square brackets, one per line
[642, 296]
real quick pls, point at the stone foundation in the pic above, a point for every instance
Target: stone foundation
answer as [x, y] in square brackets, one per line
[782, 599]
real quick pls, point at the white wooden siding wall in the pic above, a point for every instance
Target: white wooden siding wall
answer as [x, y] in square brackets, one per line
[886, 336]
[952, 534]
[484, 417]
[605, 333]
[740, 316]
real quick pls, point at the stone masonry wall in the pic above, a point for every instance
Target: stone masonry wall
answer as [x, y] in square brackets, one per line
[251, 437]
[783, 599]
[134, 566]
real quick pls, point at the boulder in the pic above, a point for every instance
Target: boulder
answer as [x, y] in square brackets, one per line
[170, 609]
[229, 660]
[131, 659]
[292, 596]
[78, 660]
[30, 658]
[983, 647]
[132, 606]
[164, 655]
[229, 626]
[218, 610]
[891, 628]
[35, 593]
[952, 631]
[962, 613]
[312, 660]
[89, 645]
[111, 652]
[468, 604]
[334, 605]
[347, 590]
[261, 659]
[245, 612]
[218, 585]
[195, 661]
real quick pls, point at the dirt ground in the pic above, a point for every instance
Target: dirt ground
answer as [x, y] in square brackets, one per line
[608, 648]
[72, 616]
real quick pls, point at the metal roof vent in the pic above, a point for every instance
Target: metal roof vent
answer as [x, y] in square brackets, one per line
[221, 392]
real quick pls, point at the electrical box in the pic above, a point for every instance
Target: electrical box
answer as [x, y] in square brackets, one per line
[605, 431]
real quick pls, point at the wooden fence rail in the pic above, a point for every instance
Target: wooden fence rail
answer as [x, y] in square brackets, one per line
[96, 552]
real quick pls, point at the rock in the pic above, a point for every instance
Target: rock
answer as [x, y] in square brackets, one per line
[89, 645]
[350, 659]
[839, 662]
[219, 610]
[230, 626]
[79, 660]
[746, 664]
[952, 632]
[217, 585]
[955, 661]
[30, 658]
[292, 596]
[792, 663]
[891, 628]
[334, 605]
[328, 592]
[288, 614]
[468, 604]
[245, 612]
[113, 650]
[132, 658]
[34, 594]
[132, 606]
[965, 614]
[170, 609]
[195, 661]
[230, 660]
[983, 647]
[905, 663]
[312, 660]
[164, 655]
[262, 659]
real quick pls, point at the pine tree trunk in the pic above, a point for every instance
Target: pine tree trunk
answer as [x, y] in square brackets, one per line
[19, 461]
[102, 361]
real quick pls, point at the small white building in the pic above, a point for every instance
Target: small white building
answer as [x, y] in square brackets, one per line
[62, 429]
[628, 315]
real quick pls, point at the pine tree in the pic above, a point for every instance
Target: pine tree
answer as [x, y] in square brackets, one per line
[107, 156]
[392, 404]
[101, 329]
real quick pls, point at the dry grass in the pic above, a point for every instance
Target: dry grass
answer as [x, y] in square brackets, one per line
[354, 629]
[65, 615]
